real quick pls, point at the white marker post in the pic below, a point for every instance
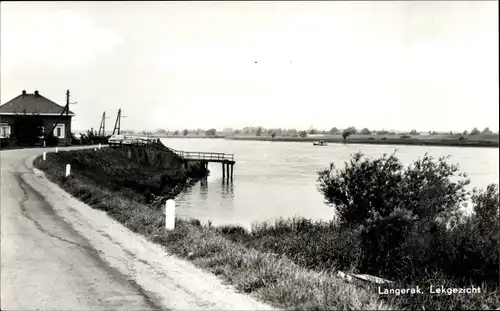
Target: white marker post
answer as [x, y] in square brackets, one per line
[95, 149]
[170, 215]
[99, 145]
[44, 156]
[57, 149]
[68, 170]
[44, 143]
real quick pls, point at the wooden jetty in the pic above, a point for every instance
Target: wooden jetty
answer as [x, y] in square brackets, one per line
[226, 159]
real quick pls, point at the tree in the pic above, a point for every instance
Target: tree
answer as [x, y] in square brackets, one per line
[465, 133]
[292, 132]
[475, 131]
[28, 130]
[348, 132]
[259, 131]
[414, 132]
[365, 131]
[461, 139]
[211, 132]
[487, 131]
[185, 132]
[352, 129]
[302, 134]
[333, 130]
[273, 134]
[313, 131]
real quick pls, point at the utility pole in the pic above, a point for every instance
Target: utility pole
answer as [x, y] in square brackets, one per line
[67, 118]
[65, 110]
[103, 124]
[118, 122]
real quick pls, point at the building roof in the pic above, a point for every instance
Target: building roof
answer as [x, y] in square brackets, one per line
[32, 104]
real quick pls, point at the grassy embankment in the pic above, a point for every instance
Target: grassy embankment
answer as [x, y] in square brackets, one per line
[289, 263]
[419, 140]
[132, 190]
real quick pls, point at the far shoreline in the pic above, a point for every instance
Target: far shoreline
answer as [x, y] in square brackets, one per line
[438, 140]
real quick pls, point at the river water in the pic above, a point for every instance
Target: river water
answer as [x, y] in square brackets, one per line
[278, 179]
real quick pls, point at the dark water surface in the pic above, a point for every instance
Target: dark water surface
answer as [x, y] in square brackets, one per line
[278, 179]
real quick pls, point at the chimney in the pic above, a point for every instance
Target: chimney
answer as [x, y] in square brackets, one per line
[36, 93]
[24, 92]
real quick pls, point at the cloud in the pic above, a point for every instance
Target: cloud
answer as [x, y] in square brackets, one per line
[62, 38]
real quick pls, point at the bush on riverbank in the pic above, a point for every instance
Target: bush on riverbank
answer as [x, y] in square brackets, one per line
[398, 223]
[409, 219]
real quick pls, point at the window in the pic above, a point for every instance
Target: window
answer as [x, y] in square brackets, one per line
[59, 131]
[4, 130]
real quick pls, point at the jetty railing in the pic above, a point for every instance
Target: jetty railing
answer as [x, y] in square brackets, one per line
[204, 156]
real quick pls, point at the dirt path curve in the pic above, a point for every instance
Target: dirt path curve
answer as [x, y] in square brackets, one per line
[57, 253]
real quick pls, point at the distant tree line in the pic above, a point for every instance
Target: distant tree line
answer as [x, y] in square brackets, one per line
[282, 132]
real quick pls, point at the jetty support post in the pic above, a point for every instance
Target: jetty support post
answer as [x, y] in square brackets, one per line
[232, 168]
[227, 170]
[223, 170]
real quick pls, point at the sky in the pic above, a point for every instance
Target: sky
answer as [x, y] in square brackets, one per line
[382, 65]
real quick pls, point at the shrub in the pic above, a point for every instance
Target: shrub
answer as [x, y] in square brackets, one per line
[405, 136]
[302, 134]
[485, 205]
[475, 131]
[52, 140]
[365, 131]
[210, 132]
[381, 185]
[334, 130]
[409, 220]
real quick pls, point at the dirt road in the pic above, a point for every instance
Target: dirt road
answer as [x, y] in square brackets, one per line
[57, 253]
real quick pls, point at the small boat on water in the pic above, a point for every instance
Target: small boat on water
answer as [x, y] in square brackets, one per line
[320, 143]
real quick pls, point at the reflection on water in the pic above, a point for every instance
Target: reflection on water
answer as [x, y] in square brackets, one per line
[274, 180]
[204, 189]
[227, 189]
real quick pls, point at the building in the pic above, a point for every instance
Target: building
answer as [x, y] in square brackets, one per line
[39, 110]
